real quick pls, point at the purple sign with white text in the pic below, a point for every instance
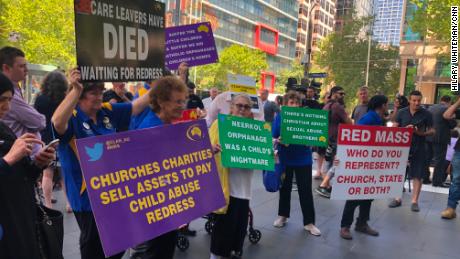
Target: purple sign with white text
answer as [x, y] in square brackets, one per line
[147, 182]
[192, 43]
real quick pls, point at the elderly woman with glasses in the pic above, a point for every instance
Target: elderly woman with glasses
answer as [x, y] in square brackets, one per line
[167, 102]
[83, 114]
[229, 231]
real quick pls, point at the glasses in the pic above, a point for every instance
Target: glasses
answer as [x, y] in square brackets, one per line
[243, 106]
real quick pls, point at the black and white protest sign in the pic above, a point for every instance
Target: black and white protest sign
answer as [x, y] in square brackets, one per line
[119, 40]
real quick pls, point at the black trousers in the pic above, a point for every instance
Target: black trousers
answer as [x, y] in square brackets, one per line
[90, 243]
[303, 180]
[230, 229]
[440, 165]
[429, 157]
[161, 247]
[349, 212]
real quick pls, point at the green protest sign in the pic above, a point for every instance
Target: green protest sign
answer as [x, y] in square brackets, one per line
[304, 126]
[246, 143]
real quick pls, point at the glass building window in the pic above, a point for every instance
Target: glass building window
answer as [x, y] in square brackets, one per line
[442, 67]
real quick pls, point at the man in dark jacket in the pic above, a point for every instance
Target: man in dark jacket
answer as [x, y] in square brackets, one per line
[440, 139]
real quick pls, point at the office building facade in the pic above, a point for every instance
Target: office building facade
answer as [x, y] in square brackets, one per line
[425, 63]
[316, 21]
[345, 8]
[387, 24]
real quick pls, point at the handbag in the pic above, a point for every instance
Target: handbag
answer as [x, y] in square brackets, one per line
[50, 231]
[272, 179]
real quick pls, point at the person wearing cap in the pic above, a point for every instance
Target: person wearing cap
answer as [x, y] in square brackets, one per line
[18, 174]
[82, 114]
[337, 115]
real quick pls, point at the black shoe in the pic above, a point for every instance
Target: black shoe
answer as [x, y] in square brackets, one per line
[188, 232]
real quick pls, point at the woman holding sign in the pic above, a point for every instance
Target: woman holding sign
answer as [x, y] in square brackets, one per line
[167, 101]
[377, 108]
[231, 225]
[297, 160]
[80, 115]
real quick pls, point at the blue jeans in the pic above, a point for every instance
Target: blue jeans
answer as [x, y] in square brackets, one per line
[454, 190]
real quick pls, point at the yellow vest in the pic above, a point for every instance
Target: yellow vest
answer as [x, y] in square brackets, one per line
[223, 171]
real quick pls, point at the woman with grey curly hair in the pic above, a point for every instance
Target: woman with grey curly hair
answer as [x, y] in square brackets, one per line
[53, 90]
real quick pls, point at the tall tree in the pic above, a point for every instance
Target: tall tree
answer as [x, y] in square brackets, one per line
[235, 59]
[432, 18]
[344, 56]
[46, 30]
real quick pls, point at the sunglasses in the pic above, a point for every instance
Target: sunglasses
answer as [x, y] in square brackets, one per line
[243, 106]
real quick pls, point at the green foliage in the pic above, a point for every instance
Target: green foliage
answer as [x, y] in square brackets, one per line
[344, 56]
[235, 59]
[3, 31]
[46, 29]
[432, 18]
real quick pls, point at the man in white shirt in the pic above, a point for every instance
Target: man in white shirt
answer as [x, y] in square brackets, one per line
[213, 92]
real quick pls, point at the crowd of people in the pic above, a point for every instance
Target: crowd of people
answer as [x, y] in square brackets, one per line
[68, 109]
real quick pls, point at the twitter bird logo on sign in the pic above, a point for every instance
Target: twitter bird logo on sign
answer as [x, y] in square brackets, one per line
[95, 153]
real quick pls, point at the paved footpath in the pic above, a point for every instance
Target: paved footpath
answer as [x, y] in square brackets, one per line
[403, 234]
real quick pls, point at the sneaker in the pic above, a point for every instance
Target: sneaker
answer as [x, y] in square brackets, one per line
[280, 222]
[345, 233]
[448, 213]
[414, 207]
[312, 229]
[394, 203]
[364, 228]
[323, 191]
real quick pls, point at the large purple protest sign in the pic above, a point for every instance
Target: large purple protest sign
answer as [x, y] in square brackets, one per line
[193, 44]
[147, 182]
